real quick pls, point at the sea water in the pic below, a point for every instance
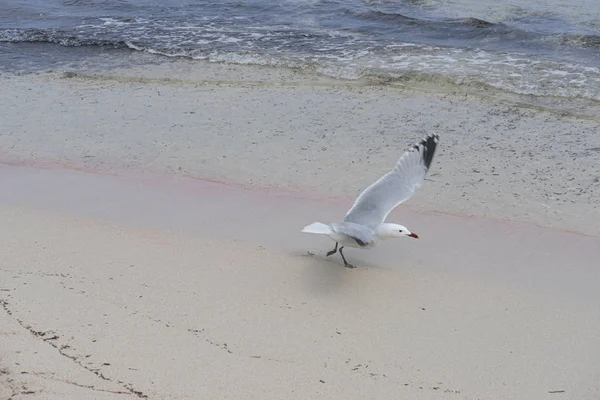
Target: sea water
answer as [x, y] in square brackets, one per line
[536, 47]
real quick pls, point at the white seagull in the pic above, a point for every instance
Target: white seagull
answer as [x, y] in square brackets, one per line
[363, 225]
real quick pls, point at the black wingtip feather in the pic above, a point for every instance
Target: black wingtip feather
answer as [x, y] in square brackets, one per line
[429, 144]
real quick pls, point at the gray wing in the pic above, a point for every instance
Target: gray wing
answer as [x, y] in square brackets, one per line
[374, 204]
[362, 235]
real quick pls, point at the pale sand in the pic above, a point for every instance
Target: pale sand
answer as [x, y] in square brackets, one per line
[142, 283]
[260, 127]
[161, 286]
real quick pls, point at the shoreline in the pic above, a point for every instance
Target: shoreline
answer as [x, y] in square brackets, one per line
[290, 132]
[159, 69]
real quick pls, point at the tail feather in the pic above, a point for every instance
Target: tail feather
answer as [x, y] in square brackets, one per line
[318, 228]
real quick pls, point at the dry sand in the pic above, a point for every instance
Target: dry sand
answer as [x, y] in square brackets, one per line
[154, 285]
[140, 282]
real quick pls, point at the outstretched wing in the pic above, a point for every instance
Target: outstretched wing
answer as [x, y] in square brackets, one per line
[374, 204]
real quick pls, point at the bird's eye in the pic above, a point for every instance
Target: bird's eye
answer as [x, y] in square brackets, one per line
[400, 231]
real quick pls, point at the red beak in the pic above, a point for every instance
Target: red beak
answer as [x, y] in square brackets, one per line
[414, 235]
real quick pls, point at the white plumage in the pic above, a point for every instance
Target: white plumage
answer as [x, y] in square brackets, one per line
[363, 226]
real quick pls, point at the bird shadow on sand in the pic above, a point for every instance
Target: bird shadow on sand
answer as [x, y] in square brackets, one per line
[327, 274]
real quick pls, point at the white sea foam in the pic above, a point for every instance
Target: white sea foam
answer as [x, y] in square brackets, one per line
[370, 38]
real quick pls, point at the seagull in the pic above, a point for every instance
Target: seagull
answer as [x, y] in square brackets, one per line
[363, 225]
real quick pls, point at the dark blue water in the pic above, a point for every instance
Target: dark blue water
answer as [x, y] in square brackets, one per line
[540, 47]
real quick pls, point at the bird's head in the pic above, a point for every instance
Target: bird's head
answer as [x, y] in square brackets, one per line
[395, 231]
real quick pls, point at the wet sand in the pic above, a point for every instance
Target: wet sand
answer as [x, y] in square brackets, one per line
[258, 128]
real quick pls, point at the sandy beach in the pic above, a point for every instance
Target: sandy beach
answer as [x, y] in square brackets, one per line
[150, 222]
[265, 127]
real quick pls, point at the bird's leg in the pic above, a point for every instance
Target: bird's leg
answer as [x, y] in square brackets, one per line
[329, 253]
[346, 263]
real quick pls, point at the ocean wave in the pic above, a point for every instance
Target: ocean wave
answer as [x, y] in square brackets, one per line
[382, 16]
[400, 18]
[458, 31]
[584, 41]
[55, 36]
[74, 39]
[471, 21]
[339, 58]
